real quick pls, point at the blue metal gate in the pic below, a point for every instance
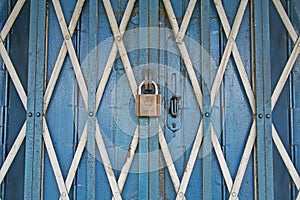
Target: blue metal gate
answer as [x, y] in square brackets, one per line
[69, 76]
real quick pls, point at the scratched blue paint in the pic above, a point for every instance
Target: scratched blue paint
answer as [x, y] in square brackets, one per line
[263, 87]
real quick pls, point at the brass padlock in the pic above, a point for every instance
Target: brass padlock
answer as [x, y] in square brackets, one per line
[147, 105]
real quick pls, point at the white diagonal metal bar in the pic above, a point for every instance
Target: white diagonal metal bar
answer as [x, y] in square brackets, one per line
[278, 89]
[107, 165]
[11, 19]
[71, 50]
[126, 63]
[285, 73]
[13, 152]
[129, 158]
[16, 81]
[227, 52]
[6, 59]
[186, 20]
[130, 75]
[236, 55]
[120, 44]
[221, 159]
[184, 53]
[13, 74]
[113, 54]
[47, 97]
[99, 94]
[244, 162]
[197, 142]
[168, 160]
[286, 21]
[191, 162]
[62, 55]
[46, 135]
[234, 190]
[285, 157]
[76, 159]
[54, 163]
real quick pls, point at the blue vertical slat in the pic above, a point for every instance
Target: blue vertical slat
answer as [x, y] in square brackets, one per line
[161, 81]
[153, 139]
[143, 140]
[280, 115]
[39, 96]
[80, 112]
[217, 111]
[33, 156]
[3, 92]
[295, 97]
[263, 100]
[206, 73]
[91, 84]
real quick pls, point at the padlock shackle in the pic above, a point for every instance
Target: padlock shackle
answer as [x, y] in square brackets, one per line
[143, 83]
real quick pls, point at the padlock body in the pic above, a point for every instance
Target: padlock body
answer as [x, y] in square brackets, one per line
[148, 105]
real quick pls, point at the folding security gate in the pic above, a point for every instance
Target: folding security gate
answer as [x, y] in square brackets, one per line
[69, 76]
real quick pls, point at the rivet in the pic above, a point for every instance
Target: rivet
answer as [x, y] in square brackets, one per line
[91, 114]
[268, 116]
[260, 116]
[118, 38]
[179, 40]
[207, 114]
[180, 194]
[30, 114]
[234, 194]
[67, 37]
[38, 114]
[63, 194]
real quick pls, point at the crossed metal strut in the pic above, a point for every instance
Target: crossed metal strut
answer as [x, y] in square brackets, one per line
[118, 46]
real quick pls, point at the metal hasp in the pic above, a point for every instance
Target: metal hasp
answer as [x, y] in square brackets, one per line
[148, 105]
[174, 101]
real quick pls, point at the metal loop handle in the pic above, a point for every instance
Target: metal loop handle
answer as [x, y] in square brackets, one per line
[143, 83]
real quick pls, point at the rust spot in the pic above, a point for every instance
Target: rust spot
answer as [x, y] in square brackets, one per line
[128, 154]
[291, 108]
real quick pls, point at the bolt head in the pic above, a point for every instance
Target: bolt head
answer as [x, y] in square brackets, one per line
[67, 37]
[207, 114]
[118, 38]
